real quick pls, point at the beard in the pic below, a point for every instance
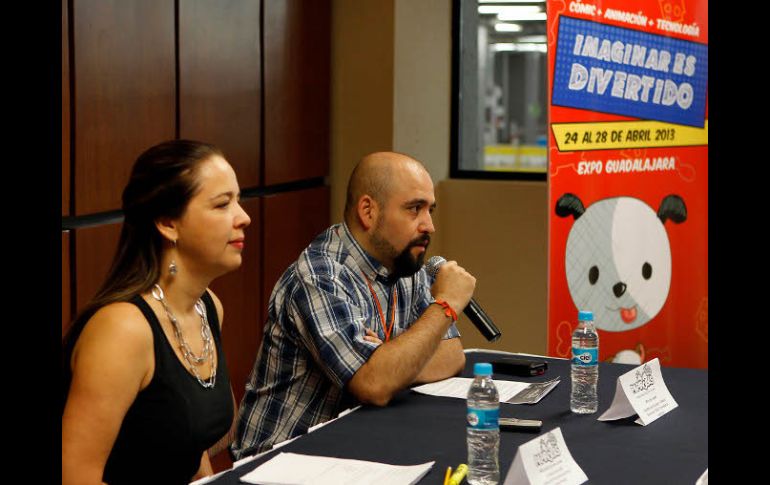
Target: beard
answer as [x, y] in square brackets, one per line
[404, 264]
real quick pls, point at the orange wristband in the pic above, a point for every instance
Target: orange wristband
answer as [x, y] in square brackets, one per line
[448, 311]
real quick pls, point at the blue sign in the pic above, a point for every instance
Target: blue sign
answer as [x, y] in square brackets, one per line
[630, 73]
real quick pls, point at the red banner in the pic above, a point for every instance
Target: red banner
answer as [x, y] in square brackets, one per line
[628, 177]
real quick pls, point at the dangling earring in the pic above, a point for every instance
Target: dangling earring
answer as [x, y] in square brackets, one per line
[172, 269]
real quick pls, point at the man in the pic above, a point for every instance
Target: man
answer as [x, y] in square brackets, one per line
[355, 318]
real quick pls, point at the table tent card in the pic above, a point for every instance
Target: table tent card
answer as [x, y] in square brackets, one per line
[640, 391]
[545, 460]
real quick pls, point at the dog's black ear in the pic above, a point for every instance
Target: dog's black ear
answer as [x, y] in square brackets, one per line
[569, 205]
[672, 207]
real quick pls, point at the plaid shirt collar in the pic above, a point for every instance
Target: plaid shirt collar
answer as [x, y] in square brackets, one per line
[373, 269]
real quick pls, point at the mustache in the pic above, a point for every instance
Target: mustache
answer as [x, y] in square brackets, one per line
[423, 240]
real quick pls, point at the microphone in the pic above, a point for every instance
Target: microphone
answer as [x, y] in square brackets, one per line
[473, 311]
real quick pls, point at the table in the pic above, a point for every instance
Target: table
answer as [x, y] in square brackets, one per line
[416, 428]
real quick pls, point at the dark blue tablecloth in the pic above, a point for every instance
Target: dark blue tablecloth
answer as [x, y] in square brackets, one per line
[416, 428]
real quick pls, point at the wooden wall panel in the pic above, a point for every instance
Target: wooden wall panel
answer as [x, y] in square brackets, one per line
[119, 97]
[219, 80]
[124, 92]
[506, 250]
[291, 221]
[66, 307]
[297, 75]
[65, 111]
[241, 295]
[94, 250]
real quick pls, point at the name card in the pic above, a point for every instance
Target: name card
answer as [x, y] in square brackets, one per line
[640, 391]
[545, 460]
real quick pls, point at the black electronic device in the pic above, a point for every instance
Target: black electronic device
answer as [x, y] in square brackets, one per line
[517, 366]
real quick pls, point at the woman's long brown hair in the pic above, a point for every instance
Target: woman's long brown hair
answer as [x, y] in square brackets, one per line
[162, 182]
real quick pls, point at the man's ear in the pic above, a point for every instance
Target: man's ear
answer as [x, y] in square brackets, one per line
[167, 228]
[367, 211]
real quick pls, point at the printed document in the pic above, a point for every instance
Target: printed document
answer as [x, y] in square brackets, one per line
[296, 469]
[526, 393]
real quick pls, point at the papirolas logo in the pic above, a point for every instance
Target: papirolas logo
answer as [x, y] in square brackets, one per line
[644, 380]
[549, 450]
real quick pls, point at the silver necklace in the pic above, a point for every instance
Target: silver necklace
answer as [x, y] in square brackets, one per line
[192, 360]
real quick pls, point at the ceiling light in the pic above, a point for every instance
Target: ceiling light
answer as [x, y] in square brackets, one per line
[536, 39]
[510, 47]
[509, 9]
[521, 16]
[503, 27]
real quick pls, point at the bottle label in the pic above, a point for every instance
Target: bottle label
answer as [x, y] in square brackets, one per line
[585, 357]
[483, 418]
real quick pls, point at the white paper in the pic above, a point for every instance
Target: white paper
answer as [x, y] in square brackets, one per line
[348, 411]
[340, 415]
[534, 392]
[263, 453]
[458, 387]
[286, 442]
[641, 391]
[512, 354]
[296, 469]
[545, 460]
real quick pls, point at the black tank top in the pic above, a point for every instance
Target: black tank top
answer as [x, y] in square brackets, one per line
[174, 419]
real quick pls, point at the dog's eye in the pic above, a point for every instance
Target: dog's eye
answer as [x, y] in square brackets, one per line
[646, 270]
[593, 275]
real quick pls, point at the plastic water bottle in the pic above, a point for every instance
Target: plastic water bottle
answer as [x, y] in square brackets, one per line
[483, 428]
[585, 365]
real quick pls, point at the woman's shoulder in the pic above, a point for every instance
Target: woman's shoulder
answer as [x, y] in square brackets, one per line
[121, 322]
[115, 346]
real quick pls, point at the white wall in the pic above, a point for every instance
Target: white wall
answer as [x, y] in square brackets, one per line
[422, 70]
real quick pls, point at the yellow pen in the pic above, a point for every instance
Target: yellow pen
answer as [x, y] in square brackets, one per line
[459, 474]
[446, 477]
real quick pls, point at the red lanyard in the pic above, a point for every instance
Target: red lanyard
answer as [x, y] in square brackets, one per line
[388, 328]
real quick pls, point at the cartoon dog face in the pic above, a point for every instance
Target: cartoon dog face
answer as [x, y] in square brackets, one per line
[618, 259]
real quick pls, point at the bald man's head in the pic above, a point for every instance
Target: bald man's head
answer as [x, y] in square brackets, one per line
[373, 176]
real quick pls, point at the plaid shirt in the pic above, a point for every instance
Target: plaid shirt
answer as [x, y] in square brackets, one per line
[314, 338]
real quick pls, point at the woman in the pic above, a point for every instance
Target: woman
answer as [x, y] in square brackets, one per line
[145, 383]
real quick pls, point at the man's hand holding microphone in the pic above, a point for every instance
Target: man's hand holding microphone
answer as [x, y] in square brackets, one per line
[455, 285]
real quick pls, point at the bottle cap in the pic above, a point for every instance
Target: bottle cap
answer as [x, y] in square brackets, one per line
[482, 369]
[584, 315]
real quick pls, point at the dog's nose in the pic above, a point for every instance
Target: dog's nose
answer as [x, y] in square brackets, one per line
[619, 289]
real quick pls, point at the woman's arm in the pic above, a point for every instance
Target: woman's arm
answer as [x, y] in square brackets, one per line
[112, 361]
[205, 469]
